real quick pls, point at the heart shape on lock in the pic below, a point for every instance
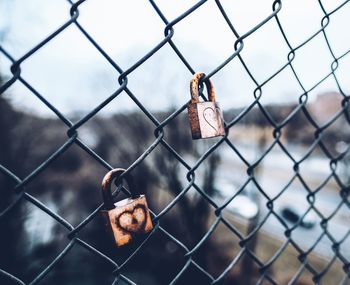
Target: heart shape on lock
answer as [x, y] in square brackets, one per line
[211, 117]
[133, 221]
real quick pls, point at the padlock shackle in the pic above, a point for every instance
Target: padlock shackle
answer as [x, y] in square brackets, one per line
[107, 186]
[194, 88]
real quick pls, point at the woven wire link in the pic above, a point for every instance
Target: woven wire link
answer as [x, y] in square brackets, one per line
[265, 274]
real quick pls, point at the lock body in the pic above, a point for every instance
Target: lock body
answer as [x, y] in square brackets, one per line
[128, 219]
[205, 117]
[205, 120]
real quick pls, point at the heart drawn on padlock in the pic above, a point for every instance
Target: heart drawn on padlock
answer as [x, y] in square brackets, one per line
[132, 221]
[210, 116]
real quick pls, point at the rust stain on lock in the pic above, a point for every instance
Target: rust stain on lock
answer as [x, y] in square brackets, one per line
[205, 117]
[127, 218]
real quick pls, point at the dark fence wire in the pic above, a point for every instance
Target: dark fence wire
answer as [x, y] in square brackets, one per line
[169, 31]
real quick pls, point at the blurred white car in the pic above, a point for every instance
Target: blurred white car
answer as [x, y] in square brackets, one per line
[241, 205]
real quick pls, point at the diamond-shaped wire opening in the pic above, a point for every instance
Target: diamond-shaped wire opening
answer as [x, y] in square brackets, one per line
[285, 264]
[325, 101]
[233, 96]
[280, 93]
[39, 237]
[334, 138]
[171, 89]
[275, 172]
[328, 199]
[125, 22]
[269, 241]
[313, 66]
[42, 139]
[191, 274]
[103, 135]
[323, 269]
[314, 168]
[100, 268]
[132, 258]
[89, 75]
[197, 38]
[336, 21]
[211, 252]
[298, 23]
[262, 68]
[26, 28]
[251, 14]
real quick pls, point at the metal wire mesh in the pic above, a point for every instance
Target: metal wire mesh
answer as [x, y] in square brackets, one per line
[264, 268]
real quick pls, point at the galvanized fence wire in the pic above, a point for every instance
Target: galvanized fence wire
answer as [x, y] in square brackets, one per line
[169, 31]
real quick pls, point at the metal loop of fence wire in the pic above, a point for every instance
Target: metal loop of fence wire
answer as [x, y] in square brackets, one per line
[169, 31]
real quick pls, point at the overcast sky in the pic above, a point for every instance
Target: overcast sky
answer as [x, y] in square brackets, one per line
[74, 77]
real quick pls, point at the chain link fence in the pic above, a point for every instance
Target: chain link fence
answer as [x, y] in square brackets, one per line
[254, 256]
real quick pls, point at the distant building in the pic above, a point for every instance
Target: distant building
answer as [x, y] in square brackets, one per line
[325, 107]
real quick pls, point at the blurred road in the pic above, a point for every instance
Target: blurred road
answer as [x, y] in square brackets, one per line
[275, 173]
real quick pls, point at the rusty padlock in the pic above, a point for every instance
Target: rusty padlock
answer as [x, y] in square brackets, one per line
[127, 218]
[205, 117]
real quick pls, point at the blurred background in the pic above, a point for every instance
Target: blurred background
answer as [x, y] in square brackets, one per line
[280, 177]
